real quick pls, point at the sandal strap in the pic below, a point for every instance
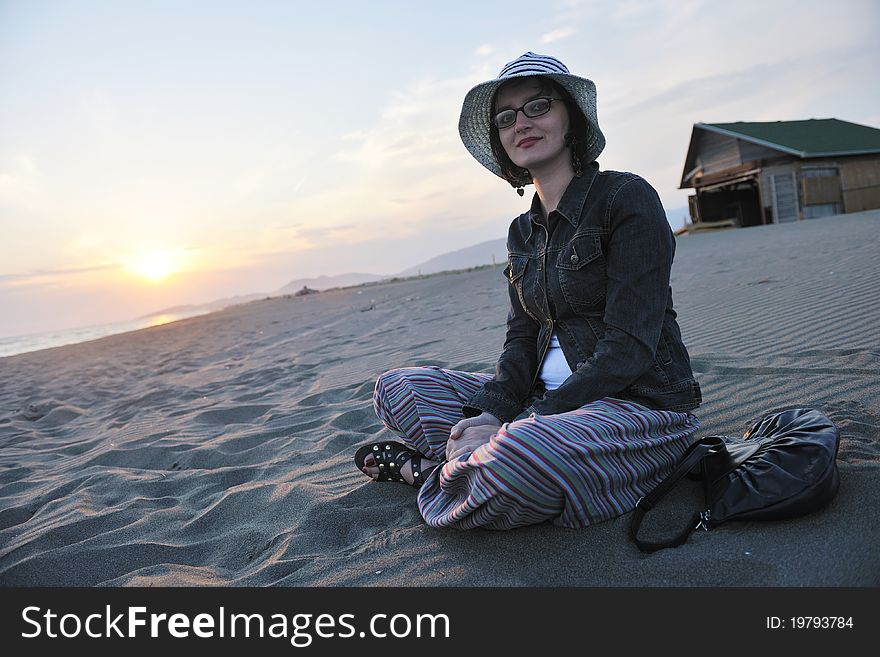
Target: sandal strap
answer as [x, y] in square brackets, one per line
[390, 463]
[389, 475]
[389, 466]
[416, 461]
[419, 475]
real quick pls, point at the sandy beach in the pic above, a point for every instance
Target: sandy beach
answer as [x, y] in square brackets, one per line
[217, 450]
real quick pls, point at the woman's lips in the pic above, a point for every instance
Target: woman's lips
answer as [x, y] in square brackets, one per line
[526, 143]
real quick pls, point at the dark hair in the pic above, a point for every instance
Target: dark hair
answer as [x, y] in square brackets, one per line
[577, 136]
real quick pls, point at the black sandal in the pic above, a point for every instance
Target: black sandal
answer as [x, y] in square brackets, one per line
[390, 457]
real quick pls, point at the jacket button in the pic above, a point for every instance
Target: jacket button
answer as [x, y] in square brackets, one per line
[574, 257]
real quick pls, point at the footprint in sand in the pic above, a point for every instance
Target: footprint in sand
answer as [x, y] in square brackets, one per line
[33, 411]
[50, 413]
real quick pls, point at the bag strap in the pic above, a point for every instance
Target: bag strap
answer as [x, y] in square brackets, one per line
[691, 458]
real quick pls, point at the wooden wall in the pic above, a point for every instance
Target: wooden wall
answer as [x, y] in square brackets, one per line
[860, 184]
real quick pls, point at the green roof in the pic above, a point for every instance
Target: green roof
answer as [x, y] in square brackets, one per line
[810, 138]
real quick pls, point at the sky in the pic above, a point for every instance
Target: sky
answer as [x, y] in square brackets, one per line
[157, 153]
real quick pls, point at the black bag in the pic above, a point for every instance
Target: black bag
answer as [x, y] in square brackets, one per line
[784, 466]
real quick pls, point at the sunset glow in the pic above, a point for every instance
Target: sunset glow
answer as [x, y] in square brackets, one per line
[155, 266]
[164, 318]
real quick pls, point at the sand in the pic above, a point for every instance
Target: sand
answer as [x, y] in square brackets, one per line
[217, 450]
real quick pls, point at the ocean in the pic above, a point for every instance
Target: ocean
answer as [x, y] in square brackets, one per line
[19, 344]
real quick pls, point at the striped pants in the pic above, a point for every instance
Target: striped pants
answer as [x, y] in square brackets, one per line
[575, 469]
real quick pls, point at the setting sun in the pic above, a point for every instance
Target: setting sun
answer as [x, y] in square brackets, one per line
[155, 266]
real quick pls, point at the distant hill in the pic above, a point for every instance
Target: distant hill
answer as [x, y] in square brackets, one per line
[326, 282]
[484, 253]
[471, 256]
[217, 304]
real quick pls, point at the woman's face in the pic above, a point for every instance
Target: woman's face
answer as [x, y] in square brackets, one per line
[535, 143]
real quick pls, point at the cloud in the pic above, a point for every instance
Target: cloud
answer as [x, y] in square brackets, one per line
[557, 35]
[75, 270]
[293, 238]
[774, 90]
[322, 233]
[484, 50]
[417, 128]
[39, 275]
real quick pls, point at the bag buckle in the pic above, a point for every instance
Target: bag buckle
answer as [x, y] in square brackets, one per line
[704, 520]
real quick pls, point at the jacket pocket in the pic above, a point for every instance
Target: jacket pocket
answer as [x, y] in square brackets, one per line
[515, 272]
[516, 267]
[582, 275]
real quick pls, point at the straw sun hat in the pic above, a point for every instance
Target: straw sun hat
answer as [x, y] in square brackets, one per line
[475, 121]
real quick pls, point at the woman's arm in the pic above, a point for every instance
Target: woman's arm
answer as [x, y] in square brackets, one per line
[505, 395]
[639, 257]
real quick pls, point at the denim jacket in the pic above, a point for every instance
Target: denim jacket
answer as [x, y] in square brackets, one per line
[604, 272]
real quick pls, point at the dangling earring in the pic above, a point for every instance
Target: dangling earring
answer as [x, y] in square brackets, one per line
[576, 163]
[521, 179]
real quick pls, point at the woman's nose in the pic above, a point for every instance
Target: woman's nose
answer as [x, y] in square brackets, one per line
[522, 122]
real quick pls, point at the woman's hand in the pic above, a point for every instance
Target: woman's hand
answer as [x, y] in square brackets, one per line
[483, 419]
[470, 433]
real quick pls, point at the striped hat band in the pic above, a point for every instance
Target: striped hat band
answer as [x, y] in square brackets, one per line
[533, 64]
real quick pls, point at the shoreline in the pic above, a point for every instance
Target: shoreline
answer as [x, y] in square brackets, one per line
[98, 330]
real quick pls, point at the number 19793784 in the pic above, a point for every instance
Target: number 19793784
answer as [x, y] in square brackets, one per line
[809, 623]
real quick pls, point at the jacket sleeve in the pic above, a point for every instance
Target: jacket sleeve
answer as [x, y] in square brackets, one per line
[639, 258]
[505, 395]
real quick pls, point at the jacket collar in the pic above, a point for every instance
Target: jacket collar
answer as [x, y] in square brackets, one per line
[571, 205]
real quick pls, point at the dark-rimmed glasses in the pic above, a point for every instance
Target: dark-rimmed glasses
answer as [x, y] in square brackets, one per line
[533, 108]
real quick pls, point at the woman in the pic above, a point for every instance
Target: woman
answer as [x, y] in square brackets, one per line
[588, 406]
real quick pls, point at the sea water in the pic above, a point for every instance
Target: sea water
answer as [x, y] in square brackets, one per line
[20, 344]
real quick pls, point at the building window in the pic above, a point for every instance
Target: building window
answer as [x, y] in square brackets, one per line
[821, 191]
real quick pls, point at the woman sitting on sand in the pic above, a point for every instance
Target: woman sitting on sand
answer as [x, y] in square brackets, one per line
[588, 407]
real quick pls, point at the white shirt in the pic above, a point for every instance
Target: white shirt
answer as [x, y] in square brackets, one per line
[554, 369]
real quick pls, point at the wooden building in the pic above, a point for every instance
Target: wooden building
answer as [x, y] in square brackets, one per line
[747, 174]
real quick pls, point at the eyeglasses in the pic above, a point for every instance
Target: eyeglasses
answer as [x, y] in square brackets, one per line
[533, 108]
